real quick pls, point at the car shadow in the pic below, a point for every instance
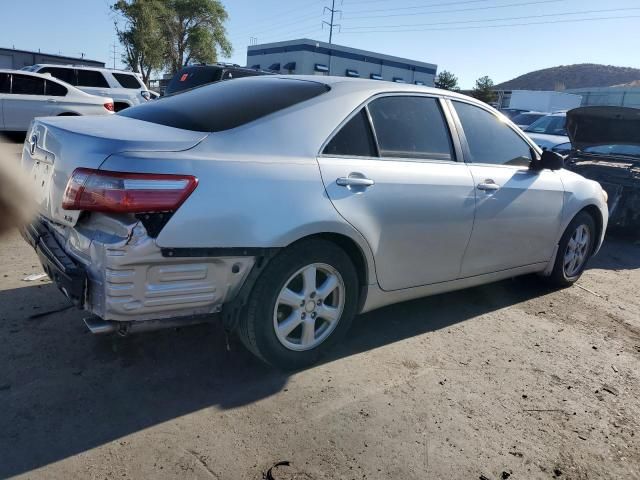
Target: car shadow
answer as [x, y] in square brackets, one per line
[64, 391]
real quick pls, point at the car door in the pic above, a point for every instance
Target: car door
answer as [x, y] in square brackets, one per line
[518, 210]
[391, 172]
[56, 97]
[25, 102]
[5, 89]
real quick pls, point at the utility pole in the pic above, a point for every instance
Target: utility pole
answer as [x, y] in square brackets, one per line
[113, 45]
[331, 24]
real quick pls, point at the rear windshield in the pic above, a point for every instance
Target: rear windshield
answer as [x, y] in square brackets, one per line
[193, 77]
[225, 105]
[549, 125]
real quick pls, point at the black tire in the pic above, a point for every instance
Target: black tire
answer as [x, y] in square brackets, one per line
[256, 328]
[559, 276]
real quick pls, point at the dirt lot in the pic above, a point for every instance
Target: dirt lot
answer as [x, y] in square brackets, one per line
[509, 380]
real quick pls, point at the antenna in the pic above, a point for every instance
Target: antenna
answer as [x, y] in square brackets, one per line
[253, 40]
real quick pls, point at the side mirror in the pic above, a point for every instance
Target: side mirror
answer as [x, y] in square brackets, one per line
[550, 161]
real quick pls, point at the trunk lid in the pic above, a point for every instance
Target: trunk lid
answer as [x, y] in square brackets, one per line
[56, 146]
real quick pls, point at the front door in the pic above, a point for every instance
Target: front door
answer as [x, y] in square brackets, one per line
[401, 187]
[518, 210]
[25, 102]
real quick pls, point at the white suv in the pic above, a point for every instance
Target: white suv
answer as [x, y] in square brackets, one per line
[126, 88]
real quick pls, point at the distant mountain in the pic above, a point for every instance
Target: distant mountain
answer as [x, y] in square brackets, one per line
[573, 76]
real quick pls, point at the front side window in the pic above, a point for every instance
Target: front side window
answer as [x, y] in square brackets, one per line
[27, 85]
[65, 74]
[91, 78]
[54, 89]
[411, 127]
[127, 80]
[5, 83]
[354, 138]
[490, 140]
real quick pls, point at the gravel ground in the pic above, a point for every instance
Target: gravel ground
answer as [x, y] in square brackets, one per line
[509, 380]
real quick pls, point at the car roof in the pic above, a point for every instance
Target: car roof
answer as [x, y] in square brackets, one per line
[83, 67]
[44, 76]
[379, 86]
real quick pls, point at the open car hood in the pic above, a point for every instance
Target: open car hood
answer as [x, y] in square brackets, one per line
[591, 126]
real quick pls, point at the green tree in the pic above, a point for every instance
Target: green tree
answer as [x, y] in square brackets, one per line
[484, 90]
[194, 32]
[447, 81]
[138, 26]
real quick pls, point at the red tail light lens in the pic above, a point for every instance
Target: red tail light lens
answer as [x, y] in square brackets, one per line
[109, 106]
[117, 192]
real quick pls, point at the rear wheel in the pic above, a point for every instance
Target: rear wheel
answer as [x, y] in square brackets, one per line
[574, 250]
[301, 306]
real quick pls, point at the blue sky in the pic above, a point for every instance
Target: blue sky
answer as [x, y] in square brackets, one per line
[467, 37]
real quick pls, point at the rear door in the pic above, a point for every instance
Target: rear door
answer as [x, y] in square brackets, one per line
[5, 89]
[93, 82]
[25, 102]
[400, 186]
[518, 210]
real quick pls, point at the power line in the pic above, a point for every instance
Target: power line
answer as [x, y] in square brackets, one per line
[522, 4]
[524, 24]
[249, 28]
[428, 5]
[584, 12]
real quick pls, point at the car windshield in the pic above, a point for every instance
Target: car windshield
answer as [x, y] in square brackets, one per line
[225, 105]
[526, 118]
[549, 124]
[627, 150]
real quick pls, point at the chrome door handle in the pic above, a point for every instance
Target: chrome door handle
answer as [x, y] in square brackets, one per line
[52, 100]
[488, 185]
[354, 182]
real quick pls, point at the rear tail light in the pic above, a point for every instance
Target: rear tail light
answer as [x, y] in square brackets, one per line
[109, 106]
[118, 192]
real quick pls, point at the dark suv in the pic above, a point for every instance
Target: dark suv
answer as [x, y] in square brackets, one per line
[198, 75]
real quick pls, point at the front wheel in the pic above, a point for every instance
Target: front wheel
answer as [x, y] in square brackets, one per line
[574, 250]
[301, 306]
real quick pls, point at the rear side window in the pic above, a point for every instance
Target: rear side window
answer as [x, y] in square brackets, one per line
[411, 127]
[65, 74]
[5, 84]
[489, 139]
[54, 89]
[127, 80]
[91, 78]
[225, 105]
[27, 85]
[354, 138]
[192, 77]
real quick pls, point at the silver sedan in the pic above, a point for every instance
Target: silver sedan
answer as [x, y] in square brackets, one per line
[290, 204]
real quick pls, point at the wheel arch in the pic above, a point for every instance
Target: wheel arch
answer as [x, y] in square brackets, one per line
[596, 214]
[366, 274]
[69, 114]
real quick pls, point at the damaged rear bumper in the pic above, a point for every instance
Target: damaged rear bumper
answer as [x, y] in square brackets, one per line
[112, 268]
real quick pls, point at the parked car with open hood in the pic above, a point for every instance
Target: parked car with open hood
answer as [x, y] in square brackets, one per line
[25, 96]
[549, 131]
[292, 203]
[606, 148]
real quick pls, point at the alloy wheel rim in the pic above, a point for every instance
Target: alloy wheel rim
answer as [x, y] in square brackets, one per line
[576, 253]
[309, 307]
